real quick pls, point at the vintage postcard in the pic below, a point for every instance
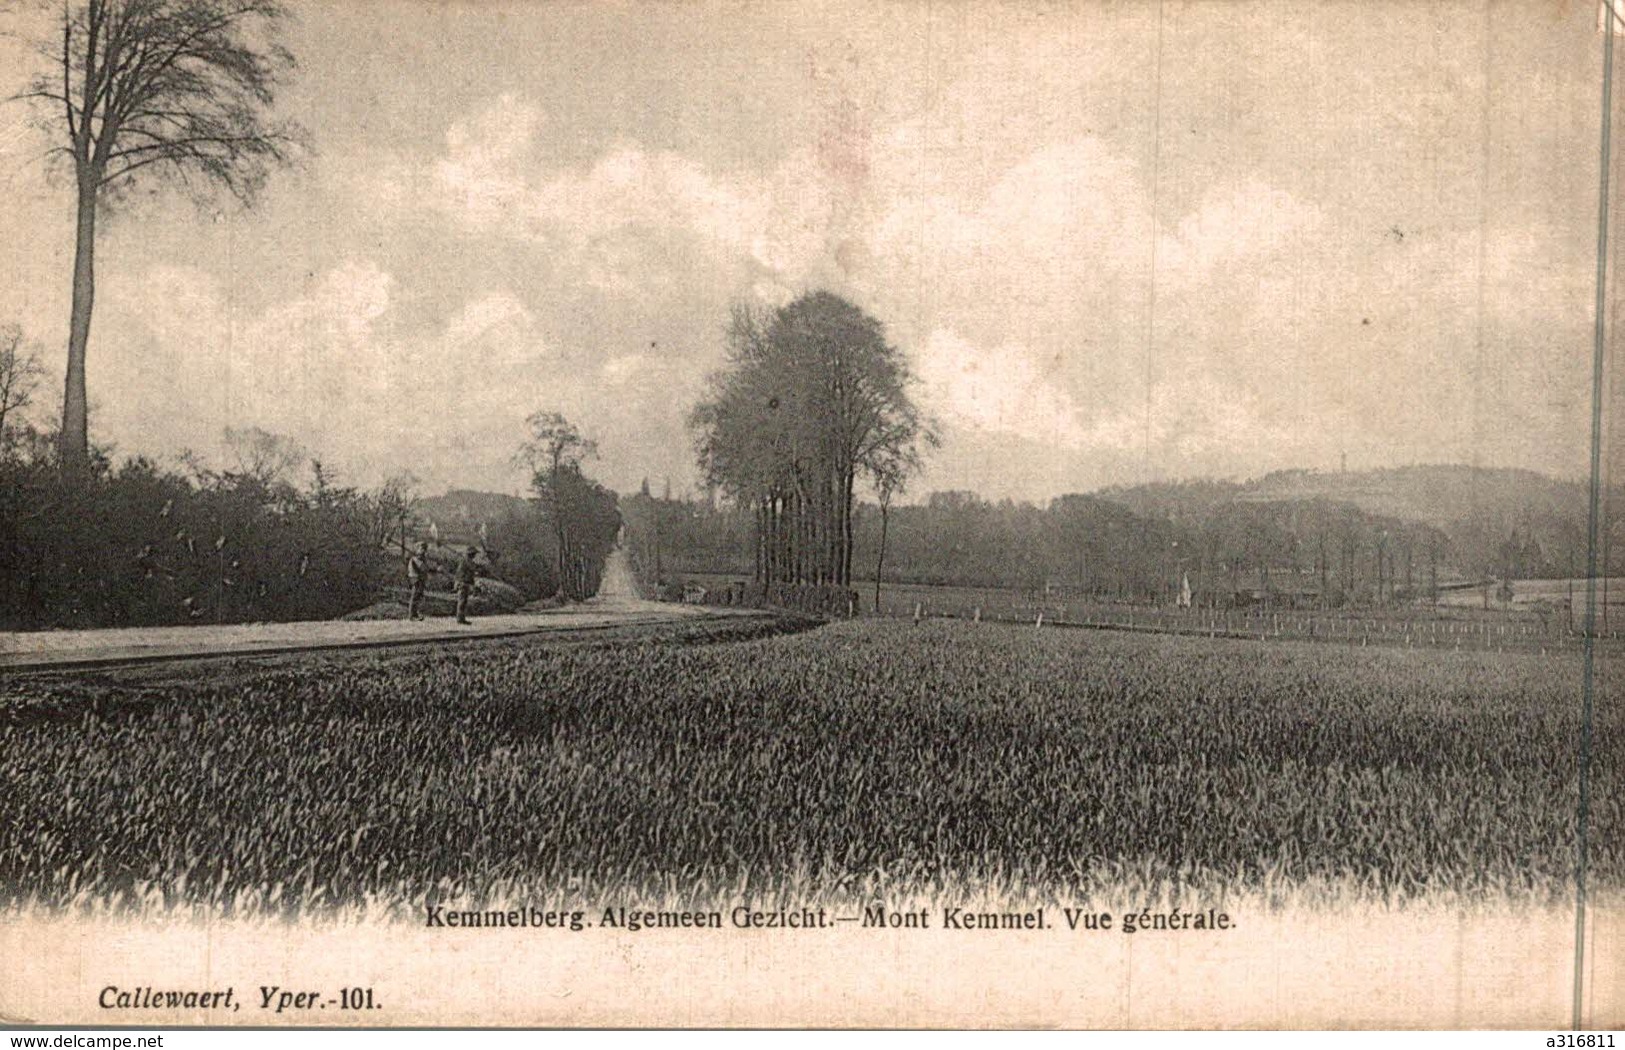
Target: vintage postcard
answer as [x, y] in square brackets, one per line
[974, 515]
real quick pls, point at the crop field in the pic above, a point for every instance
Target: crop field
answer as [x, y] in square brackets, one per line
[1538, 623]
[859, 761]
[1405, 627]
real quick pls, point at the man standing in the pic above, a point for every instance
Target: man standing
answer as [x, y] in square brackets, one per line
[465, 583]
[417, 577]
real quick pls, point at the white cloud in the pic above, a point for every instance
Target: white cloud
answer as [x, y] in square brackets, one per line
[631, 221]
[304, 362]
[625, 368]
[1249, 222]
[338, 370]
[610, 214]
[483, 171]
[1008, 249]
[178, 360]
[630, 187]
[495, 312]
[1192, 421]
[998, 390]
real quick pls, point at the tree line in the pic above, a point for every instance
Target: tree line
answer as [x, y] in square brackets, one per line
[268, 534]
[812, 401]
[137, 544]
[1087, 546]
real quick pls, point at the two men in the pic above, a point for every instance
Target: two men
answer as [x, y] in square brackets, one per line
[417, 577]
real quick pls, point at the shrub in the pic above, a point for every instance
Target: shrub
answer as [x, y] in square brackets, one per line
[141, 545]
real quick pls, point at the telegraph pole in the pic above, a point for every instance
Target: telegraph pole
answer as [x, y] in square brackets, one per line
[1593, 522]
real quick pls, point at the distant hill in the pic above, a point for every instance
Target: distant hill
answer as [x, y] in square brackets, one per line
[1481, 509]
[1439, 495]
[1434, 495]
[460, 512]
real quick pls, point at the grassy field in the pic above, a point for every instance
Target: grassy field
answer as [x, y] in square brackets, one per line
[863, 760]
[1454, 624]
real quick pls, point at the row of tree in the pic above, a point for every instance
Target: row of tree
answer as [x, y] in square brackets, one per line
[813, 400]
[668, 539]
[1314, 552]
[1501, 522]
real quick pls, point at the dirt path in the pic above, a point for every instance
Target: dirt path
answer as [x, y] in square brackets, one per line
[616, 605]
[618, 584]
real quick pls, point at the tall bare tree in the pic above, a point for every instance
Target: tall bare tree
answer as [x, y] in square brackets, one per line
[393, 507]
[554, 453]
[891, 467]
[165, 89]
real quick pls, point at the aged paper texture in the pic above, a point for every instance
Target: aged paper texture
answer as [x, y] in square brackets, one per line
[948, 515]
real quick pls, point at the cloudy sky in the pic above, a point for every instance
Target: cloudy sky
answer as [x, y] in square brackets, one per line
[1116, 241]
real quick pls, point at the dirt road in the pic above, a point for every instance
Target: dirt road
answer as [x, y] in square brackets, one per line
[616, 605]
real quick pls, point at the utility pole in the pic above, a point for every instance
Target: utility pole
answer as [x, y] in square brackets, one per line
[1594, 513]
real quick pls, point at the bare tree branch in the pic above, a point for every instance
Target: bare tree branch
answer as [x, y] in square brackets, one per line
[176, 90]
[20, 375]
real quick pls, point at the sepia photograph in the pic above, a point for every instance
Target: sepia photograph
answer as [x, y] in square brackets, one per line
[764, 514]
